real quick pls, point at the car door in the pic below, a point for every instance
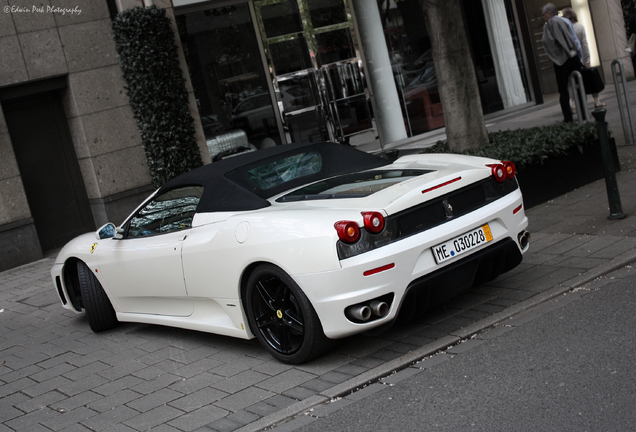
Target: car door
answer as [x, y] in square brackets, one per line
[143, 272]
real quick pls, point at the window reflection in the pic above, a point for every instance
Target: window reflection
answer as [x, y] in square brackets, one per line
[410, 52]
[171, 211]
[334, 46]
[326, 12]
[281, 19]
[230, 84]
[290, 55]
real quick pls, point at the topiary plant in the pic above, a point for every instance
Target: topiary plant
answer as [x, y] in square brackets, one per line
[156, 88]
[533, 145]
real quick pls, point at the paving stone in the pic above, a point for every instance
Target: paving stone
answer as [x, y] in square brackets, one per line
[106, 420]
[42, 401]
[286, 380]
[243, 399]
[272, 367]
[86, 371]
[197, 382]
[262, 409]
[114, 400]
[9, 412]
[224, 425]
[317, 385]
[152, 385]
[44, 387]
[72, 388]
[300, 393]
[117, 385]
[68, 418]
[197, 418]
[200, 366]
[239, 382]
[154, 400]
[243, 417]
[198, 399]
[121, 370]
[150, 419]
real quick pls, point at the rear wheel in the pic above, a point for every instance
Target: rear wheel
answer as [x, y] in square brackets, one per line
[100, 312]
[282, 317]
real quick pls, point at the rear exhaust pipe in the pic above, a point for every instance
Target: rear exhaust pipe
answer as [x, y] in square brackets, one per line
[524, 239]
[379, 308]
[359, 312]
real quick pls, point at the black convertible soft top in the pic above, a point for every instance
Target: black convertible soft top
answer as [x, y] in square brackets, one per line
[226, 186]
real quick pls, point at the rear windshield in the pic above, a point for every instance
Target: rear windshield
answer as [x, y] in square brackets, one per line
[355, 185]
[281, 171]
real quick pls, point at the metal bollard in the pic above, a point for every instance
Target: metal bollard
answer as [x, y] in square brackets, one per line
[623, 101]
[578, 88]
[613, 196]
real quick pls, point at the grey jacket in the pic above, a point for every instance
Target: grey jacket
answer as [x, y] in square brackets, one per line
[558, 41]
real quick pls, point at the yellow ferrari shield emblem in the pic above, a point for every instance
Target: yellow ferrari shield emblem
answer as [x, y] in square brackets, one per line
[279, 314]
[93, 246]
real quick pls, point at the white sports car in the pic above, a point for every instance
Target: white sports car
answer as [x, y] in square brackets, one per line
[299, 245]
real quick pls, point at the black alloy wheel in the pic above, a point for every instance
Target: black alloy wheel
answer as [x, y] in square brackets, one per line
[281, 316]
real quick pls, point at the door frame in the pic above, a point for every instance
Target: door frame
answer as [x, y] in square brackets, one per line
[52, 90]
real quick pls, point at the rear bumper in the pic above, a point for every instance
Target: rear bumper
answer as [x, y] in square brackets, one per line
[442, 285]
[410, 272]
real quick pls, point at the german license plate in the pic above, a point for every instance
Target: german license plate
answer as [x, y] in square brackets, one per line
[462, 243]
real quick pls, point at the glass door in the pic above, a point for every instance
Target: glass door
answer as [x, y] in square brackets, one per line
[235, 99]
[315, 69]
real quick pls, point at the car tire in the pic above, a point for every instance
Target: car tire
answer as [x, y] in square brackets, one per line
[99, 310]
[282, 317]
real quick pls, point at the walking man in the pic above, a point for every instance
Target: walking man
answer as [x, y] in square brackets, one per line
[560, 45]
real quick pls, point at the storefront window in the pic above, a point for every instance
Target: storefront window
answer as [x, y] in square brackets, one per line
[311, 52]
[230, 83]
[326, 12]
[500, 70]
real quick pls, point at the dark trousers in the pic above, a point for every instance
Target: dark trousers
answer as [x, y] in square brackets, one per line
[563, 78]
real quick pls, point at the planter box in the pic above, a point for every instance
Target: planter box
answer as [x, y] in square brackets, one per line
[560, 175]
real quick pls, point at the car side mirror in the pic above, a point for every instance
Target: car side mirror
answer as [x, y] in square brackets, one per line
[108, 231]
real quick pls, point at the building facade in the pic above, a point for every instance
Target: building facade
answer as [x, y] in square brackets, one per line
[259, 73]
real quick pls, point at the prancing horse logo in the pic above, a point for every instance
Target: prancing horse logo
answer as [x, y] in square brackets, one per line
[448, 208]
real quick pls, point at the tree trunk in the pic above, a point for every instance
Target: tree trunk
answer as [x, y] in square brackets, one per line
[464, 118]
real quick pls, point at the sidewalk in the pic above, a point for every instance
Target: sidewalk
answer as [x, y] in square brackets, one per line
[55, 374]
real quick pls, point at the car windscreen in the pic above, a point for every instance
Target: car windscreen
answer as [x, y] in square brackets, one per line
[354, 185]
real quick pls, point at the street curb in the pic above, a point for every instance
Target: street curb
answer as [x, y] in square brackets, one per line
[445, 342]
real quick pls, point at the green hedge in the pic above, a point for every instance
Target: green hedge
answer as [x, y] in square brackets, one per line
[156, 88]
[530, 146]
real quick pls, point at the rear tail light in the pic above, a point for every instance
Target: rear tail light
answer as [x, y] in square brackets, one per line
[504, 170]
[498, 172]
[510, 169]
[373, 221]
[348, 231]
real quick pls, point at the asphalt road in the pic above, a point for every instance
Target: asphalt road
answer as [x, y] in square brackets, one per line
[568, 365]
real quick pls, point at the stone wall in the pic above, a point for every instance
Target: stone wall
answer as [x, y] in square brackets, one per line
[38, 42]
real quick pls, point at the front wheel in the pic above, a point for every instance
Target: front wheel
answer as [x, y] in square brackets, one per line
[282, 317]
[99, 310]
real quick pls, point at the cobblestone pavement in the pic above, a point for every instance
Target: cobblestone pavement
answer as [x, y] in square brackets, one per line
[55, 374]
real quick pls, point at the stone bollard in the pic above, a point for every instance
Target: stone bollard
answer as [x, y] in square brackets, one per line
[613, 196]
